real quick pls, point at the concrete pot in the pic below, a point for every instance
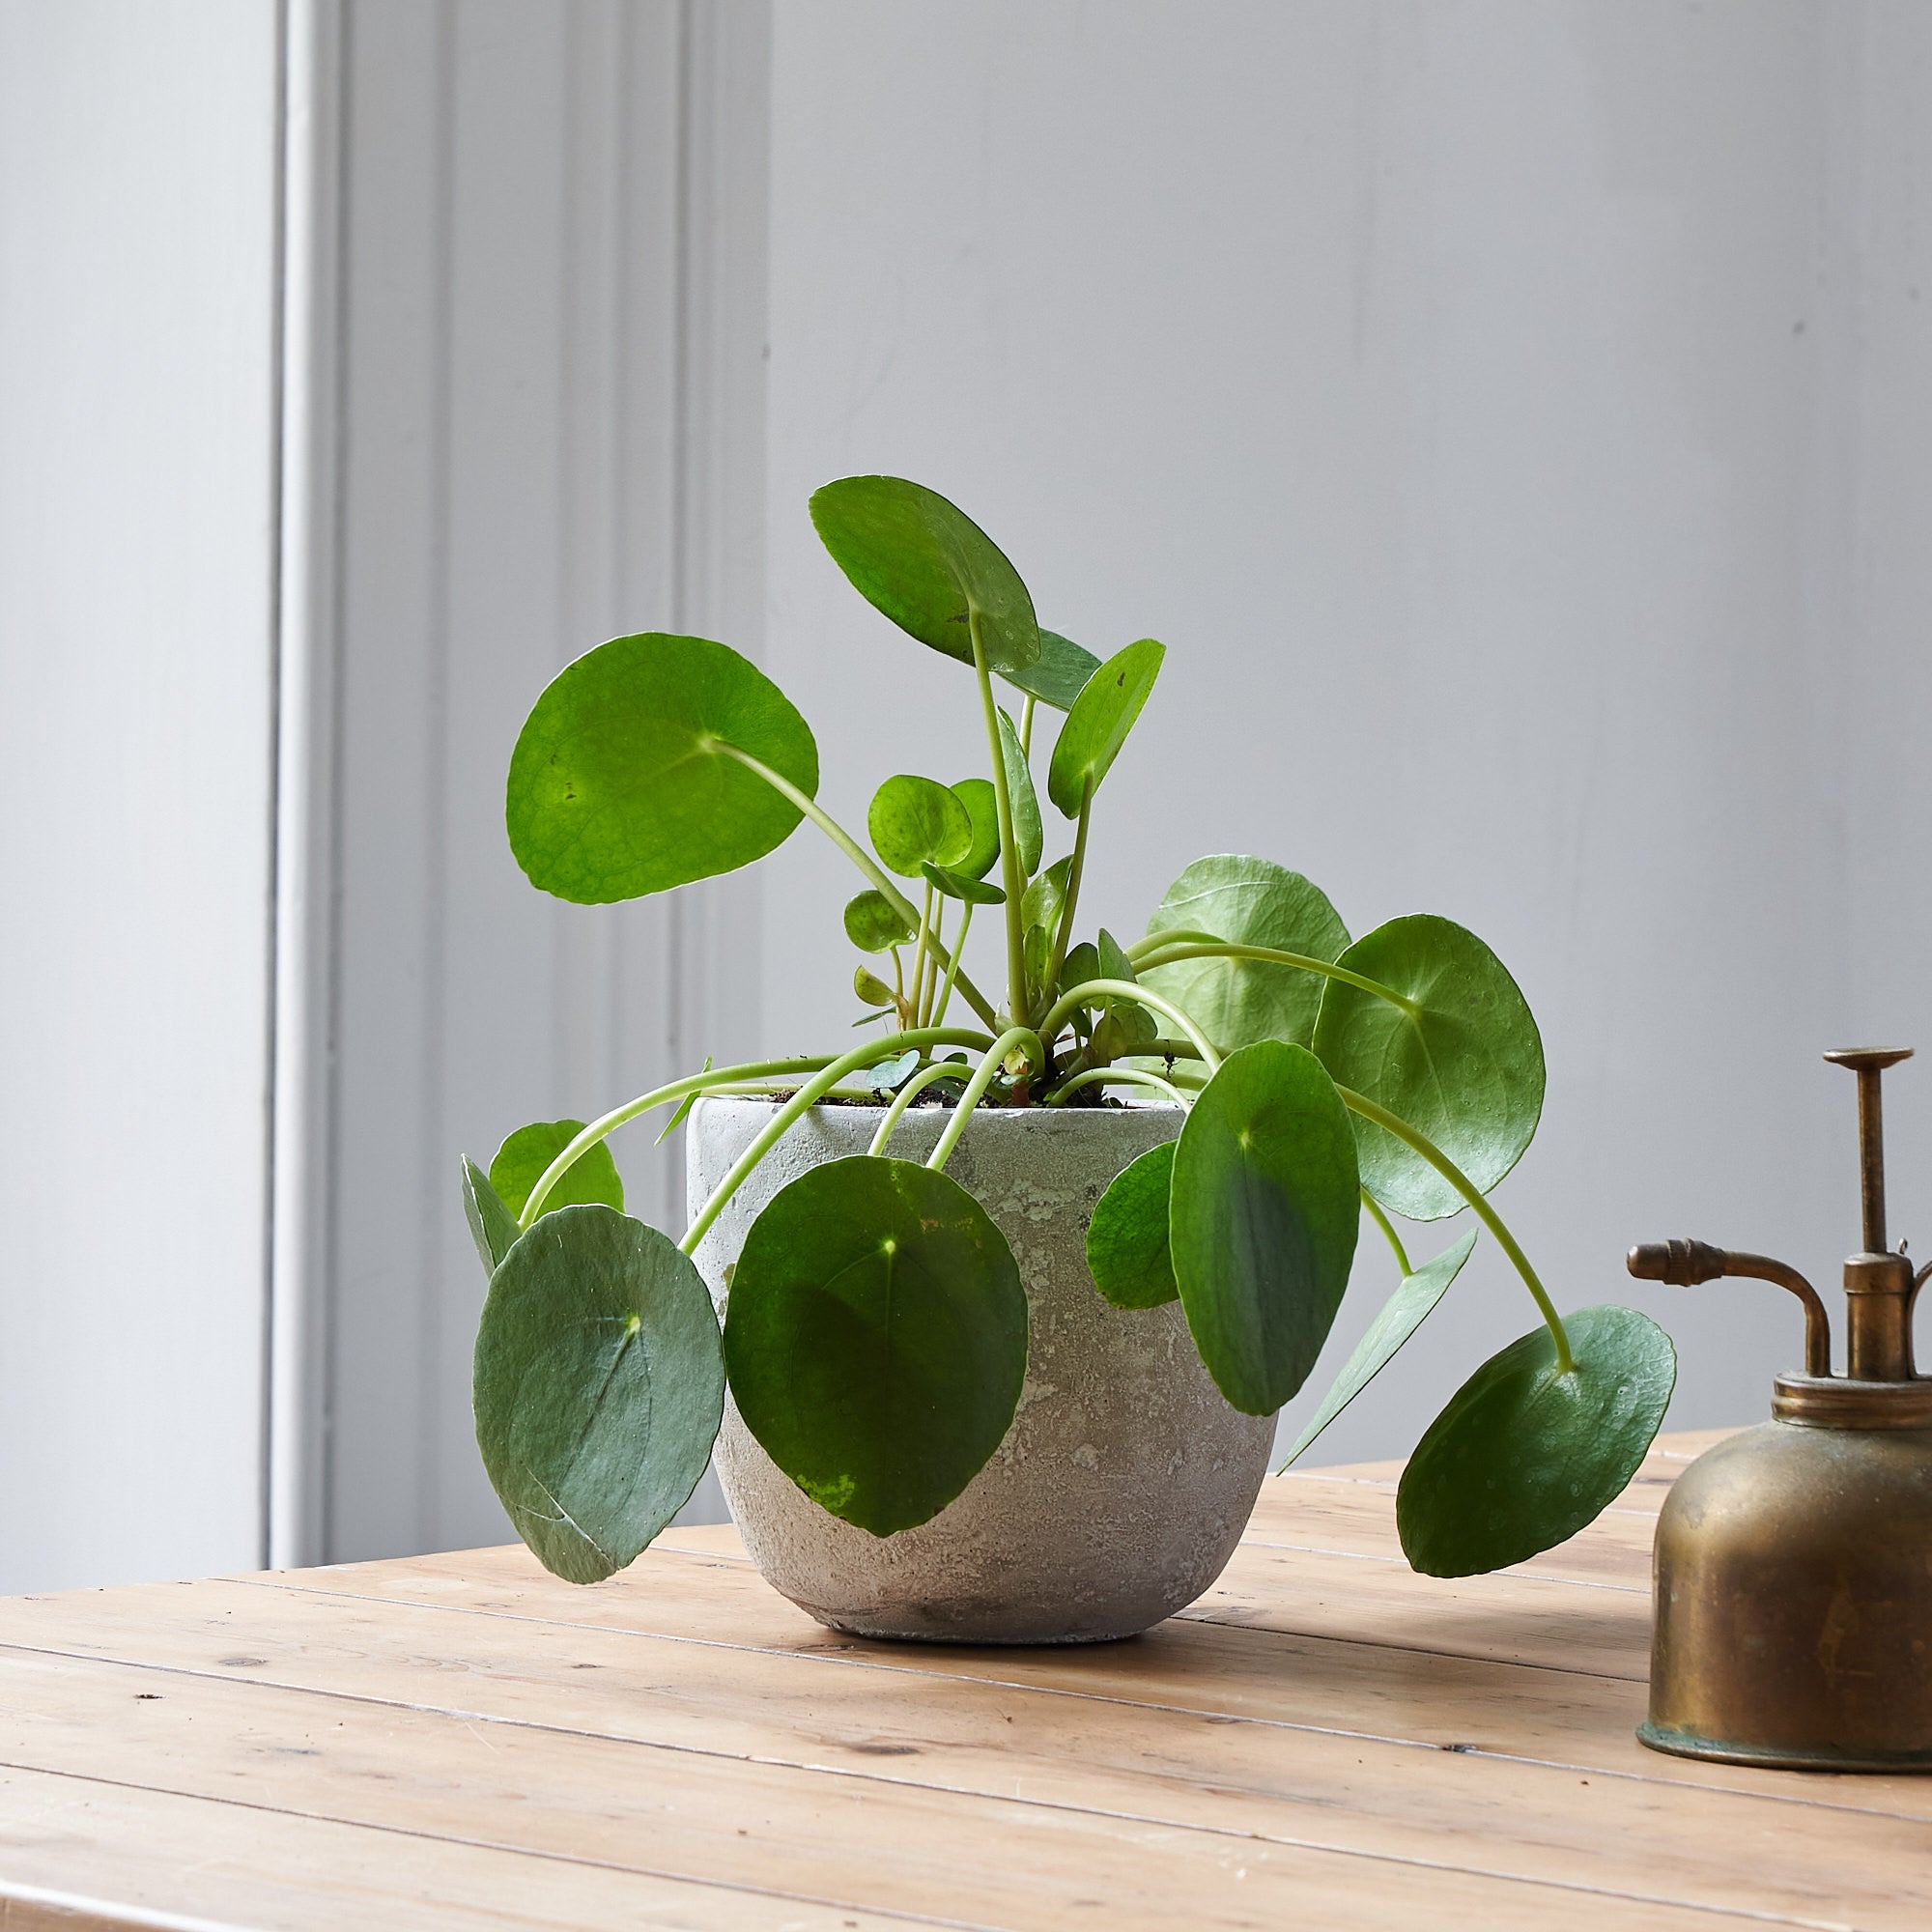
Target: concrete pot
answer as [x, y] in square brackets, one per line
[1124, 1482]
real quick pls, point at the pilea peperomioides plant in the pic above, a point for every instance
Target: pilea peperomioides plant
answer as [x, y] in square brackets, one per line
[875, 1335]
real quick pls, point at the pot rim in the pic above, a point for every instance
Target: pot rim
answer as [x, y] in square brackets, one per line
[983, 1111]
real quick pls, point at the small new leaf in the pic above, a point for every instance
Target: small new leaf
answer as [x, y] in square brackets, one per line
[1098, 723]
[872, 925]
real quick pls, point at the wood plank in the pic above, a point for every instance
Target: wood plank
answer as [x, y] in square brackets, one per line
[1019, 1863]
[86, 1854]
[1381, 1796]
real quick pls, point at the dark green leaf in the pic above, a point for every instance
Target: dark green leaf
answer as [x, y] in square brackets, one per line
[1523, 1458]
[871, 988]
[877, 1338]
[492, 1225]
[927, 566]
[598, 1385]
[1098, 725]
[1126, 1241]
[620, 785]
[1028, 835]
[1111, 956]
[522, 1159]
[1248, 902]
[1057, 674]
[1462, 1062]
[914, 819]
[873, 924]
[983, 807]
[1124, 1028]
[1082, 964]
[1399, 1318]
[974, 892]
[1262, 1220]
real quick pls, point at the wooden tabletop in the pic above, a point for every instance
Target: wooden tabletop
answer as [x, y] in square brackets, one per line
[1324, 1739]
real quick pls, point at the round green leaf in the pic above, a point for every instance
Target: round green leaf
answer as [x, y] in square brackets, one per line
[983, 807]
[1248, 902]
[492, 1226]
[1462, 1062]
[1098, 723]
[877, 1338]
[1523, 1458]
[1262, 1219]
[871, 988]
[872, 922]
[522, 1159]
[914, 819]
[599, 1384]
[620, 785]
[957, 886]
[1057, 676]
[1397, 1319]
[1126, 1241]
[1028, 835]
[927, 566]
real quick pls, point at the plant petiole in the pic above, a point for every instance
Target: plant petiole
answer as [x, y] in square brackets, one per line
[1126, 989]
[1420, 1144]
[1111, 1076]
[857, 855]
[940, 1069]
[1009, 856]
[952, 966]
[982, 1077]
[813, 1090]
[1065, 932]
[1382, 1221]
[1026, 725]
[1222, 949]
[695, 1083]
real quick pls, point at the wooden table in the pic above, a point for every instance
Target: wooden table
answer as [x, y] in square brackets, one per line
[1325, 1740]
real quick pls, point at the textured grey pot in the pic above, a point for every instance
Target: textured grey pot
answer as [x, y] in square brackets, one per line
[1124, 1482]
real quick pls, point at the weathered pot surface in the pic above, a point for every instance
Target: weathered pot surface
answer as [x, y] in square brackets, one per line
[1125, 1480]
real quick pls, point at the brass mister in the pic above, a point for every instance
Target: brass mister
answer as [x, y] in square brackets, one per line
[1793, 1561]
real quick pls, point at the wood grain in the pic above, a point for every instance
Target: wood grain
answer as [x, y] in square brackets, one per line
[1324, 1739]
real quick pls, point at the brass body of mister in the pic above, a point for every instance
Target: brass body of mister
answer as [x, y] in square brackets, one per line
[1793, 1562]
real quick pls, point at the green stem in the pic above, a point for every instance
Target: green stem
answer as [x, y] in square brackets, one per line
[1010, 857]
[983, 1078]
[1184, 935]
[693, 1083]
[1221, 949]
[857, 855]
[921, 954]
[1073, 871]
[1113, 1076]
[1126, 989]
[1388, 1227]
[1026, 727]
[1421, 1143]
[906, 1096]
[806, 1096]
[952, 967]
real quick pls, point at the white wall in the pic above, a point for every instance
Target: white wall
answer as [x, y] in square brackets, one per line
[139, 273]
[1512, 416]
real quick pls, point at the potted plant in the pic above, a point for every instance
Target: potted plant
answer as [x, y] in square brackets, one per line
[988, 1319]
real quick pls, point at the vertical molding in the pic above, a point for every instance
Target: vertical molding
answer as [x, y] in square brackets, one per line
[718, 502]
[522, 281]
[307, 687]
